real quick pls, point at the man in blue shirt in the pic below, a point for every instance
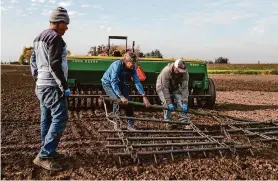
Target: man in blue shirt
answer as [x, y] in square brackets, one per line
[114, 83]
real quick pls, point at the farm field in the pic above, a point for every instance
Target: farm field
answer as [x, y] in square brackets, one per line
[85, 157]
[255, 69]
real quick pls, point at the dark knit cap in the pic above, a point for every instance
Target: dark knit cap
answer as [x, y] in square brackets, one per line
[59, 14]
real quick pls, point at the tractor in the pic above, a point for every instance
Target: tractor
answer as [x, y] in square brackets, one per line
[85, 73]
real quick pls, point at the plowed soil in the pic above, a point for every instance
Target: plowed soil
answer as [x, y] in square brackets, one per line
[85, 157]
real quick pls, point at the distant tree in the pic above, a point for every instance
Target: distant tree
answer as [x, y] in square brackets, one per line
[154, 54]
[25, 56]
[14, 62]
[222, 60]
[21, 59]
[208, 62]
[141, 54]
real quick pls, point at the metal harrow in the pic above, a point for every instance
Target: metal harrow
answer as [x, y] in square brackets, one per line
[187, 139]
[88, 97]
[267, 131]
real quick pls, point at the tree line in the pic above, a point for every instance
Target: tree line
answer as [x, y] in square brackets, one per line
[115, 50]
[120, 50]
[219, 60]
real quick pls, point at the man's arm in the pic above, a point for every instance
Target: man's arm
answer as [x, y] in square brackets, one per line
[115, 70]
[137, 82]
[33, 65]
[184, 88]
[55, 60]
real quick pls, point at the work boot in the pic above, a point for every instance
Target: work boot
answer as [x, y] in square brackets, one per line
[47, 163]
[58, 155]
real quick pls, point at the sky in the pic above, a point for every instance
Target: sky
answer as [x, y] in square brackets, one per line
[244, 31]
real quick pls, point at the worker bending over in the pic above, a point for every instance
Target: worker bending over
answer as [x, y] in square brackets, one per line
[114, 82]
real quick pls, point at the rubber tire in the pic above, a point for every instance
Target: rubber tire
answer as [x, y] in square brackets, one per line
[211, 91]
[210, 101]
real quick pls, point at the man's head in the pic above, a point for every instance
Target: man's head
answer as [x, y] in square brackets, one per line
[130, 60]
[179, 66]
[59, 20]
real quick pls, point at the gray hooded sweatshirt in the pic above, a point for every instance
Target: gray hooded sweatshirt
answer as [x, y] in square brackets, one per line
[168, 81]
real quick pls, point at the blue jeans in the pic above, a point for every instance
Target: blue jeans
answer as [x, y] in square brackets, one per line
[177, 100]
[54, 117]
[128, 109]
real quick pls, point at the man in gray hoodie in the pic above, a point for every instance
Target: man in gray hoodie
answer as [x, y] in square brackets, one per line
[173, 81]
[50, 74]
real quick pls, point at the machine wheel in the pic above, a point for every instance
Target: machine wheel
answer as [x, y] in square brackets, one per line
[210, 101]
[212, 92]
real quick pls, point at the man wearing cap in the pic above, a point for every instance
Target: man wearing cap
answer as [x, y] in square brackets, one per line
[50, 74]
[114, 82]
[173, 80]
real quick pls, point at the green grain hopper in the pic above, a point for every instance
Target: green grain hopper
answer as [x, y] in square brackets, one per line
[85, 73]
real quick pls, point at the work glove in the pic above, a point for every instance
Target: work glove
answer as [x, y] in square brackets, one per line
[67, 92]
[184, 108]
[124, 100]
[171, 107]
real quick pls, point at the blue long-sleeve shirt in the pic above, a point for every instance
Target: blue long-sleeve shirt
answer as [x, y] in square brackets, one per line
[117, 75]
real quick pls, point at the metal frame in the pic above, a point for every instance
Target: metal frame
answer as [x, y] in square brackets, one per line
[119, 38]
[151, 142]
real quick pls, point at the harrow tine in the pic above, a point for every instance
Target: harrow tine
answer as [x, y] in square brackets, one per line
[204, 151]
[151, 131]
[164, 145]
[151, 120]
[251, 151]
[165, 138]
[189, 155]
[120, 160]
[220, 149]
[172, 154]
[221, 153]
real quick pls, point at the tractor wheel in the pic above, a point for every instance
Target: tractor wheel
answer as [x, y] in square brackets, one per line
[209, 102]
[211, 91]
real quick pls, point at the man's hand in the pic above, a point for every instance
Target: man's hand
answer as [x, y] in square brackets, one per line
[171, 107]
[146, 102]
[184, 108]
[124, 100]
[67, 92]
